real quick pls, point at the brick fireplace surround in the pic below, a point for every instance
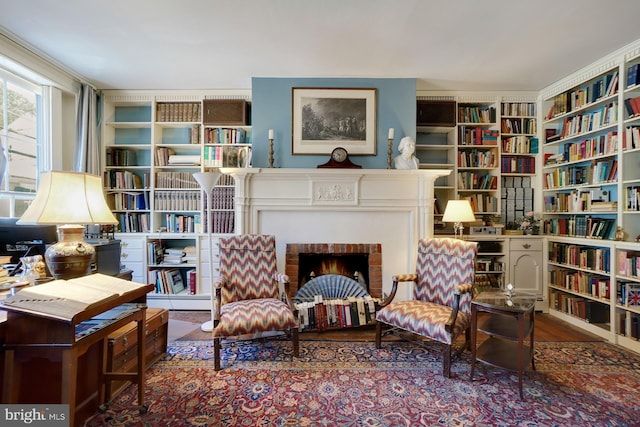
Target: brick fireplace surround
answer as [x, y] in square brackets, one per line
[292, 260]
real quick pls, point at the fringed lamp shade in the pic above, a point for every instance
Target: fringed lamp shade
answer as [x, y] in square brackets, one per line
[69, 200]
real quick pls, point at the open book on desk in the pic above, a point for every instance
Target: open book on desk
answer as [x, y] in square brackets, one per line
[64, 299]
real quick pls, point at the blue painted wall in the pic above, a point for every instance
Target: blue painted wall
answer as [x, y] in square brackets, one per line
[271, 109]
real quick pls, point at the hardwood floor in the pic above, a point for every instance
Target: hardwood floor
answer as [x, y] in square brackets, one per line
[548, 328]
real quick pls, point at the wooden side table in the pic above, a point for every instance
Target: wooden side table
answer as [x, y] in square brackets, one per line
[493, 312]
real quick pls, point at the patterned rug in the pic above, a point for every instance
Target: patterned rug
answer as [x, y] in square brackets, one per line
[354, 384]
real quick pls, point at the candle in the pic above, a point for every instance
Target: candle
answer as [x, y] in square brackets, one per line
[270, 133]
[391, 132]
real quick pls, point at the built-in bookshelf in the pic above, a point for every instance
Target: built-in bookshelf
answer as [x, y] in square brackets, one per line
[172, 265]
[579, 280]
[478, 156]
[581, 159]
[153, 146]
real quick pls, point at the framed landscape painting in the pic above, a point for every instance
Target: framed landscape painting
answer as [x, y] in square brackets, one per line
[326, 118]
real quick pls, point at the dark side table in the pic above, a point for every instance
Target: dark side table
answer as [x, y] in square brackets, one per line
[508, 320]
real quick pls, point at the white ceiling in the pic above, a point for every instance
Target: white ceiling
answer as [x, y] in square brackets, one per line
[486, 45]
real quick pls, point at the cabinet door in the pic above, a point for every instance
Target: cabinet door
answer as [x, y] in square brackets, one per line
[525, 265]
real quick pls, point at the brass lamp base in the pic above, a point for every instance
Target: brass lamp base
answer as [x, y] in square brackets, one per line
[71, 256]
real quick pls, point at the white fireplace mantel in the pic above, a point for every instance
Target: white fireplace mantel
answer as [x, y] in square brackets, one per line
[391, 207]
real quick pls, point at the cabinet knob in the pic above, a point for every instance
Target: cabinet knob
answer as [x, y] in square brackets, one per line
[123, 255]
[526, 246]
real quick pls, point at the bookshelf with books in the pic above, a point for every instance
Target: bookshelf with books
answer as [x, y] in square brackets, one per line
[478, 156]
[627, 295]
[519, 138]
[154, 142]
[172, 265]
[579, 280]
[581, 158]
[630, 185]
[127, 158]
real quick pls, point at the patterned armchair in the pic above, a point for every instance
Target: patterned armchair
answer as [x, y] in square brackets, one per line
[442, 293]
[248, 294]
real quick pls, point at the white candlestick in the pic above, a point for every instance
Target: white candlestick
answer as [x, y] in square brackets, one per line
[391, 133]
[270, 133]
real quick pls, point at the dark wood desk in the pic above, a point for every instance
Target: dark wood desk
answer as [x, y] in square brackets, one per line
[35, 339]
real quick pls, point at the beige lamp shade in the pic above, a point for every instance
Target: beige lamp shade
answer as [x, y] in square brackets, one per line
[69, 198]
[458, 211]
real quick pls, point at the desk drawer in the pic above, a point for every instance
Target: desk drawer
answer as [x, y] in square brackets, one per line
[123, 345]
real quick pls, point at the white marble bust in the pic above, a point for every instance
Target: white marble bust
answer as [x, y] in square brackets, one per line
[406, 160]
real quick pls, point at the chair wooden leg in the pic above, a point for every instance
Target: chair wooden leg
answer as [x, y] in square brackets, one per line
[216, 354]
[378, 334]
[467, 339]
[446, 362]
[295, 342]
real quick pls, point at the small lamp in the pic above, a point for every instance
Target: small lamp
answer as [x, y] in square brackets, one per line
[69, 200]
[207, 181]
[458, 211]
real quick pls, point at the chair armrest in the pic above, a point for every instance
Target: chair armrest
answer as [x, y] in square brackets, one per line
[398, 279]
[284, 279]
[217, 290]
[459, 290]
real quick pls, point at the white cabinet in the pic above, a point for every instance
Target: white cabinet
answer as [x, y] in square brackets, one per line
[132, 255]
[525, 266]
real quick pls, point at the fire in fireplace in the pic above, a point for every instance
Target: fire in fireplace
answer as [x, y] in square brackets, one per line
[359, 261]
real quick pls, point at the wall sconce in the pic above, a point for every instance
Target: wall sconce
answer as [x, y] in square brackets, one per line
[458, 211]
[69, 200]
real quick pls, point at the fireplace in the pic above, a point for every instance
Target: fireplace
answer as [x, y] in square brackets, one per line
[393, 208]
[304, 260]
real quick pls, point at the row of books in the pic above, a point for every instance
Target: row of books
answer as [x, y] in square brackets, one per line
[168, 179]
[477, 158]
[513, 164]
[178, 111]
[579, 201]
[628, 263]
[227, 136]
[633, 77]
[121, 157]
[178, 223]
[587, 122]
[223, 222]
[600, 172]
[628, 324]
[138, 201]
[223, 198]
[581, 226]
[527, 125]
[477, 136]
[167, 280]
[581, 282]
[322, 313]
[477, 181]
[227, 157]
[632, 198]
[566, 102]
[518, 109]
[482, 202]
[628, 294]
[133, 222]
[126, 180]
[169, 200]
[520, 145]
[592, 258]
[588, 310]
[631, 138]
[632, 106]
[590, 148]
[476, 114]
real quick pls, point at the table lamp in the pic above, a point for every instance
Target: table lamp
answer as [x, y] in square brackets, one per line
[458, 211]
[207, 181]
[69, 200]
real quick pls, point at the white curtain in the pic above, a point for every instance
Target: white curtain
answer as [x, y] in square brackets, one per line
[87, 145]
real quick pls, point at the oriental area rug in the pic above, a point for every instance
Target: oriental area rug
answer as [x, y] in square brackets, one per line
[354, 384]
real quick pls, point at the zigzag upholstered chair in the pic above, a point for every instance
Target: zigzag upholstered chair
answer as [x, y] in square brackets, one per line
[248, 297]
[442, 293]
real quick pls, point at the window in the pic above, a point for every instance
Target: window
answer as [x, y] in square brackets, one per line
[20, 131]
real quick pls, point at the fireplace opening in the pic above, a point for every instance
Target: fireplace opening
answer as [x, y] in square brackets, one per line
[361, 262]
[354, 266]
